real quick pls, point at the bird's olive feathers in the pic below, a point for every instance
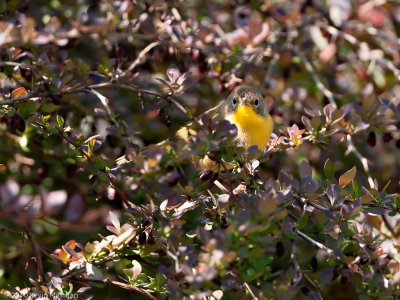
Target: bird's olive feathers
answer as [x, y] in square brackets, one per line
[245, 95]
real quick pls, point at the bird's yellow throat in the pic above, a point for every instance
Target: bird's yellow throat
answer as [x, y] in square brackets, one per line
[253, 129]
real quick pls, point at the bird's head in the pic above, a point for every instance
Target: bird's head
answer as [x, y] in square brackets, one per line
[245, 99]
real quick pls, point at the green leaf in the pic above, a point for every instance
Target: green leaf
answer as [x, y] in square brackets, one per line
[3, 6]
[99, 163]
[26, 108]
[158, 284]
[356, 189]
[53, 130]
[48, 107]
[8, 70]
[329, 169]
[347, 177]
[80, 139]
[296, 59]
[397, 201]
[60, 121]
[303, 222]
[83, 69]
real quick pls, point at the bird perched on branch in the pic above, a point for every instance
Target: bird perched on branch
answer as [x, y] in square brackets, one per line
[244, 108]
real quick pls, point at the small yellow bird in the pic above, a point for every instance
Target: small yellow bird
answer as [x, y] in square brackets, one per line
[245, 108]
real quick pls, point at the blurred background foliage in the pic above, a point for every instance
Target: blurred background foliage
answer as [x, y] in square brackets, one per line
[83, 83]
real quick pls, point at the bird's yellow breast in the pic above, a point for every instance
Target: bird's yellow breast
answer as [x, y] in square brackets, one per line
[253, 129]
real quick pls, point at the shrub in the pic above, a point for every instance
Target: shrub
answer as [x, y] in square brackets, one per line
[90, 198]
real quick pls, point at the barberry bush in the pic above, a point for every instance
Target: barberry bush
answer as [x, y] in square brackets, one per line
[98, 199]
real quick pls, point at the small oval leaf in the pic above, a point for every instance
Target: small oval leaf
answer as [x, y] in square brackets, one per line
[329, 169]
[18, 92]
[347, 177]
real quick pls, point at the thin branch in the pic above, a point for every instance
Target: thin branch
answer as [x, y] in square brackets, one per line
[4, 228]
[364, 161]
[121, 285]
[33, 94]
[131, 288]
[142, 55]
[389, 226]
[373, 31]
[270, 69]
[245, 284]
[36, 251]
[125, 200]
[15, 64]
[315, 205]
[296, 265]
[184, 110]
[83, 89]
[316, 287]
[316, 243]
[310, 68]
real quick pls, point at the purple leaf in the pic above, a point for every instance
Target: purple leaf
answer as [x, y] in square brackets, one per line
[333, 192]
[173, 74]
[305, 169]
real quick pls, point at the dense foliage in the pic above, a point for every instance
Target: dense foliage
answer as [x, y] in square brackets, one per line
[84, 83]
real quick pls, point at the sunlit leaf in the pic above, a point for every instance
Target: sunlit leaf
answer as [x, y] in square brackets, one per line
[347, 177]
[18, 92]
[60, 121]
[133, 272]
[115, 221]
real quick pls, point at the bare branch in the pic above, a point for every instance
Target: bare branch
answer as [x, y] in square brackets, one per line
[364, 161]
[142, 55]
[310, 68]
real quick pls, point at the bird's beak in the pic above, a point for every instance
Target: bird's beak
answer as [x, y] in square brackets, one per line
[246, 102]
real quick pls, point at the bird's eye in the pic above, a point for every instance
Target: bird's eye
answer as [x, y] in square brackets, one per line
[234, 101]
[256, 102]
